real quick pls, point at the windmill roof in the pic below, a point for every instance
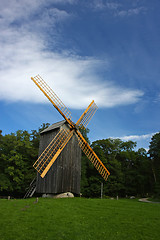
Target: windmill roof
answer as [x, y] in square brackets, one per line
[54, 126]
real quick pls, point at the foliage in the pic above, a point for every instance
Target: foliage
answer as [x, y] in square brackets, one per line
[130, 170]
[154, 152]
[18, 152]
[79, 218]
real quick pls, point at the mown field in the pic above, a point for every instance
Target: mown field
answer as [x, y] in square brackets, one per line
[78, 218]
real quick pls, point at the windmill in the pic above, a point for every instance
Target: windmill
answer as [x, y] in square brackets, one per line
[52, 152]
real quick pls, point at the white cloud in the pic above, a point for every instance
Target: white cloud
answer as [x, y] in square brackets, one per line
[101, 5]
[130, 12]
[24, 54]
[112, 5]
[137, 137]
[157, 99]
[12, 10]
[118, 9]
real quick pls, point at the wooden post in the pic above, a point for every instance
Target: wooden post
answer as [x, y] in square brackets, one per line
[101, 190]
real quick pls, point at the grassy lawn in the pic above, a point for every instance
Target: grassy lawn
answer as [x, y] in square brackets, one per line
[154, 199]
[78, 218]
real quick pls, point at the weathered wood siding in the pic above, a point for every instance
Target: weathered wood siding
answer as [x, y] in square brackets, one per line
[65, 173]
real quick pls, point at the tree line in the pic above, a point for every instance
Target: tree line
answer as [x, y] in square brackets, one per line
[133, 172]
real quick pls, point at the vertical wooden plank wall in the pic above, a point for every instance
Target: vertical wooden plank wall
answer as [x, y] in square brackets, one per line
[65, 173]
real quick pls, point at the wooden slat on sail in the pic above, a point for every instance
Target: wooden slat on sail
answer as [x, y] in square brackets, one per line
[50, 154]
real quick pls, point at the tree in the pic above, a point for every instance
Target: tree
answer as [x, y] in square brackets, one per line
[108, 150]
[130, 169]
[154, 152]
[18, 152]
[15, 156]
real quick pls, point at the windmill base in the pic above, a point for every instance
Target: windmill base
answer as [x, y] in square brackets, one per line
[62, 195]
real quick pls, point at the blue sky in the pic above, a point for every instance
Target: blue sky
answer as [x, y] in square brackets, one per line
[108, 51]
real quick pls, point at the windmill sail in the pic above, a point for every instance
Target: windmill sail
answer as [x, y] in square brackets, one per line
[92, 156]
[87, 115]
[53, 98]
[50, 154]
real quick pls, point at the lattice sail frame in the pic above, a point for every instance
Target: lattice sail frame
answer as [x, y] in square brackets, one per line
[55, 147]
[93, 157]
[87, 115]
[52, 97]
[52, 151]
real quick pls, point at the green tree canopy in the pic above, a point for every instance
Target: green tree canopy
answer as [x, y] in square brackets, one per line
[154, 152]
[18, 152]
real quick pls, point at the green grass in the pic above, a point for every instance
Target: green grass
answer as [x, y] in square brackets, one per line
[154, 199]
[78, 218]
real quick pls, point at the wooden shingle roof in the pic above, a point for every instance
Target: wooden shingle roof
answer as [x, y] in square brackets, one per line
[54, 126]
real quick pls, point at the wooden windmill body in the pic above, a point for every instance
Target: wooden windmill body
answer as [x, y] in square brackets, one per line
[65, 174]
[59, 164]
